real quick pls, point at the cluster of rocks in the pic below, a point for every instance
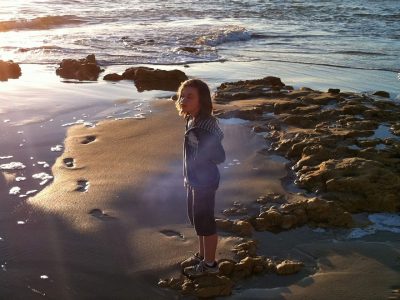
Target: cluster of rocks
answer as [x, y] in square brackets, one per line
[230, 272]
[236, 210]
[245, 89]
[146, 78]
[315, 212]
[80, 69]
[9, 70]
[345, 147]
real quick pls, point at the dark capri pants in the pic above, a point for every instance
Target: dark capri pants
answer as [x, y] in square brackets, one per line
[200, 208]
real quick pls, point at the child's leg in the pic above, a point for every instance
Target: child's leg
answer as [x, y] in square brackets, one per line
[210, 247]
[201, 245]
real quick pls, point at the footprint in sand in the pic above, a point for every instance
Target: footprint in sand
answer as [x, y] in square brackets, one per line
[169, 232]
[98, 213]
[69, 162]
[89, 139]
[83, 185]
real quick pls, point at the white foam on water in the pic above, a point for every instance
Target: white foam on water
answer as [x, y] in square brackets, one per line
[15, 190]
[56, 148]
[31, 192]
[232, 34]
[20, 178]
[20, 131]
[14, 165]
[20, 222]
[233, 121]
[45, 164]
[44, 277]
[5, 157]
[80, 121]
[42, 176]
[381, 222]
[6, 120]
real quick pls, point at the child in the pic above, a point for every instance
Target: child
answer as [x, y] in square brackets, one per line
[202, 151]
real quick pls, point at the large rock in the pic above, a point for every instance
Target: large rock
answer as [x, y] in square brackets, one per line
[146, 78]
[357, 183]
[245, 89]
[80, 69]
[9, 69]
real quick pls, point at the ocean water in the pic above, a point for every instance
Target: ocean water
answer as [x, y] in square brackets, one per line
[359, 34]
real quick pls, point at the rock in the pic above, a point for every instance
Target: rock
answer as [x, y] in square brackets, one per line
[358, 184]
[288, 267]
[226, 267]
[382, 94]
[224, 224]
[272, 219]
[146, 78]
[242, 228]
[271, 198]
[248, 248]
[9, 70]
[80, 69]
[334, 91]
[288, 221]
[113, 77]
[209, 286]
[245, 89]
[189, 49]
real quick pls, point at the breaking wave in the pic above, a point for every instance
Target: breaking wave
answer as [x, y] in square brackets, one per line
[39, 23]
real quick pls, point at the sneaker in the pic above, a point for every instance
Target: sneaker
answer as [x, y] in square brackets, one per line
[201, 269]
[192, 261]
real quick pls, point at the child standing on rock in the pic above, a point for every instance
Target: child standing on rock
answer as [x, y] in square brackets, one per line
[202, 152]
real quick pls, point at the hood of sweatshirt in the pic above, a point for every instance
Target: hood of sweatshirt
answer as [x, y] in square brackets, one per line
[209, 124]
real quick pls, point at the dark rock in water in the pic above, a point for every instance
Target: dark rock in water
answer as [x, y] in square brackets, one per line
[146, 78]
[189, 49]
[113, 77]
[9, 69]
[80, 69]
[334, 91]
[246, 89]
[382, 94]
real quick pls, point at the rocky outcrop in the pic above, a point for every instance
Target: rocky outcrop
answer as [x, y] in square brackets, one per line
[9, 70]
[245, 89]
[358, 184]
[80, 69]
[230, 273]
[343, 146]
[146, 78]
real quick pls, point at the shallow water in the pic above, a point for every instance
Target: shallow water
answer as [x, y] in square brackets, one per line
[355, 34]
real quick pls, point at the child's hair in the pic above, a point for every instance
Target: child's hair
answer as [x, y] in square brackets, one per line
[204, 97]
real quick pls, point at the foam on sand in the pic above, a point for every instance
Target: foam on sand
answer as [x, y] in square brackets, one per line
[380, 222]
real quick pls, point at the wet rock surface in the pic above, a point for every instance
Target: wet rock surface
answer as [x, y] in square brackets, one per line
[343, 147]
[80, 69]
[246, 264]
[9, 70]
[146, 78]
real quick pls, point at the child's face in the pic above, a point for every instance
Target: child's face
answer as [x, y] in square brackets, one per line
[190, 100]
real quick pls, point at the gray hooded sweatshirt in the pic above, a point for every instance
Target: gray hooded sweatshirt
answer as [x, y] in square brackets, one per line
[202, 152]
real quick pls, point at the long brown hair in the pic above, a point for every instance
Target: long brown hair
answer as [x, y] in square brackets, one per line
[205, 102]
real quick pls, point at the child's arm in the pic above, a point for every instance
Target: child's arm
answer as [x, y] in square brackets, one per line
[210, 147]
